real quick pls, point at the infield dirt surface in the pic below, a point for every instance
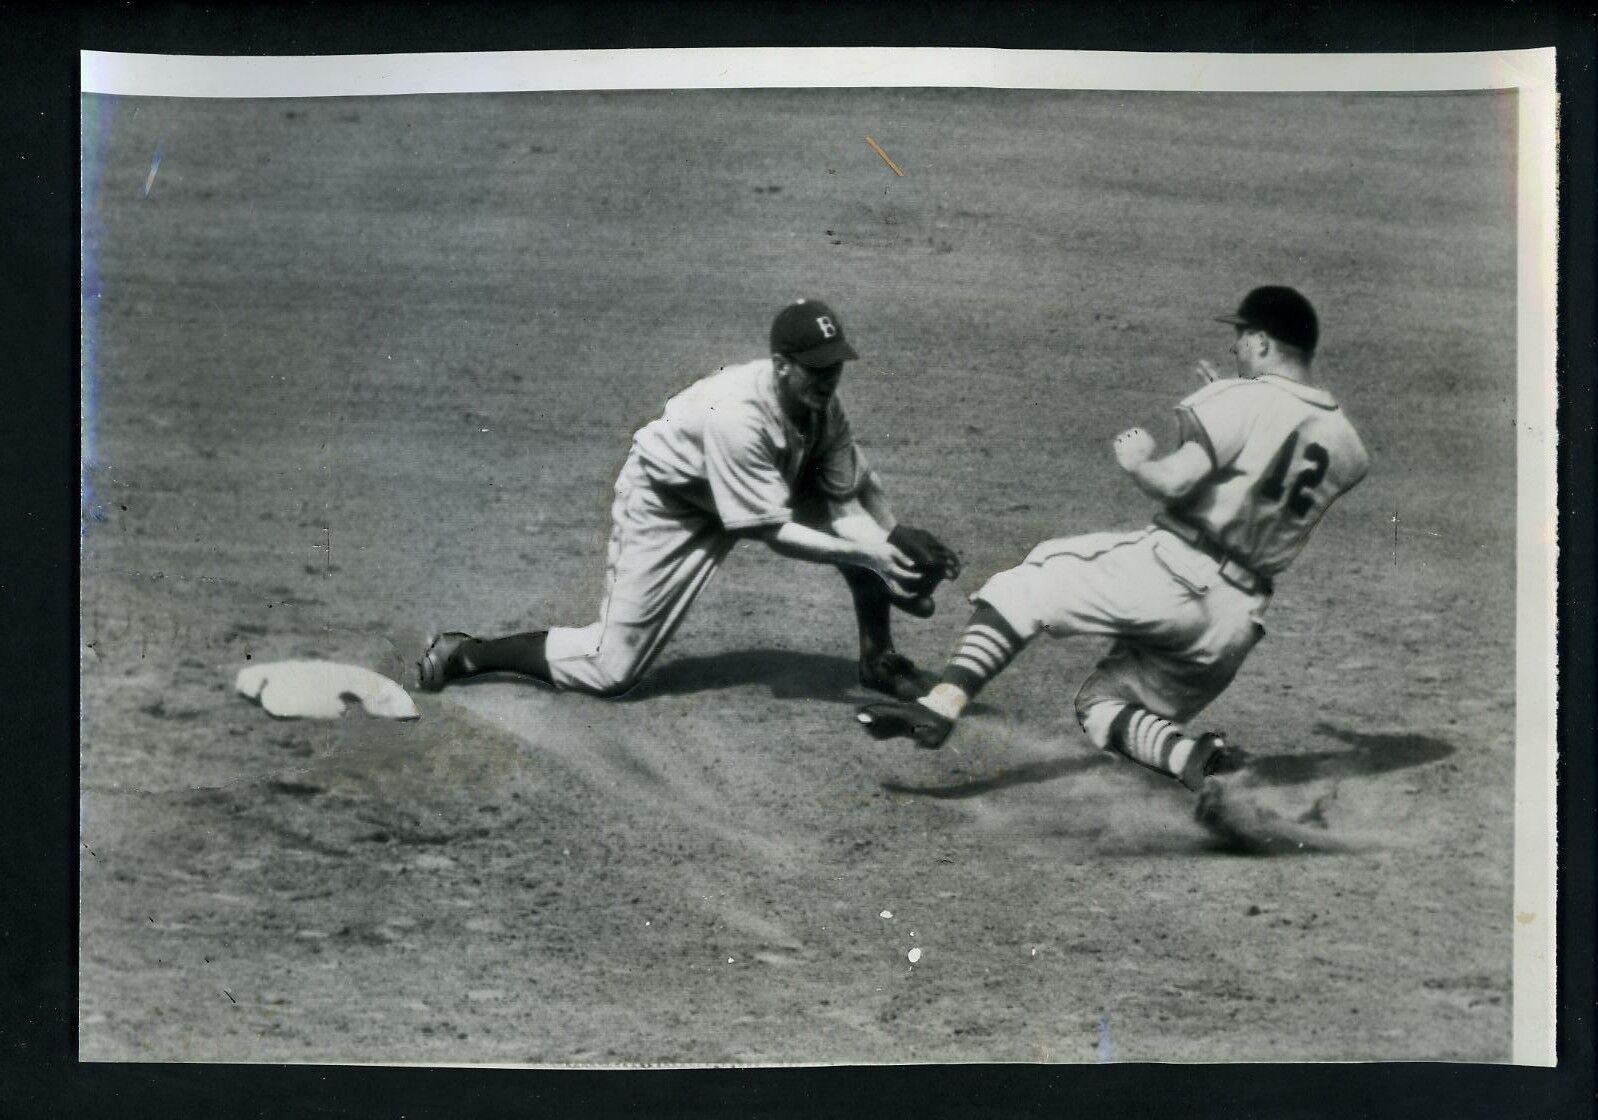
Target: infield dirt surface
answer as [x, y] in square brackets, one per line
[360, 368]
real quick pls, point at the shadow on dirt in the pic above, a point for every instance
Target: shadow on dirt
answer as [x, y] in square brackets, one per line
[1250, 848]
[1024, 774]
[482, 679]
[1369, 754]
[790, 675]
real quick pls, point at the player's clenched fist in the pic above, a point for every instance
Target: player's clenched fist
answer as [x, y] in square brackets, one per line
[1132, 447]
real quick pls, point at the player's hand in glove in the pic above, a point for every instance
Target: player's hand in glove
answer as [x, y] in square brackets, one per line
[896, 567]
[932, 561]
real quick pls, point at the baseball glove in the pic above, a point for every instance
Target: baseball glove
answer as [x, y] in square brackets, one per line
[933, 560]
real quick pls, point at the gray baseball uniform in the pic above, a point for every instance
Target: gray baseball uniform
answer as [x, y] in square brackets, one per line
[724, 457]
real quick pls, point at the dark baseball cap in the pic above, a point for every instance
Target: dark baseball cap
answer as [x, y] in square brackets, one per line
[1282, 313]
[810, 332]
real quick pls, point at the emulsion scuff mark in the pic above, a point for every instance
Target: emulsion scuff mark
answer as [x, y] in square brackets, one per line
[155, 165]
[876, 147]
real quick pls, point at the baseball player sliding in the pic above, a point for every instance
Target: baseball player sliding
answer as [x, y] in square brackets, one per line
[1261, 458]
[761, 450]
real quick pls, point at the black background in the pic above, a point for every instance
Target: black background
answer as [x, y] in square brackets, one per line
[39, 1073]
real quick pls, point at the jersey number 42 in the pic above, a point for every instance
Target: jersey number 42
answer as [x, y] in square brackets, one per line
[1298, 497]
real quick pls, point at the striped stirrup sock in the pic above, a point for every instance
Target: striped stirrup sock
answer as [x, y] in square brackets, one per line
[985, 648]
[1150, 740]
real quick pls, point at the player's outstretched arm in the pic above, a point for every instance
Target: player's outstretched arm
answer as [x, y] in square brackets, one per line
[864, 517]
[872, 500]
[862, 520]
[1164, 479]
[800, 542]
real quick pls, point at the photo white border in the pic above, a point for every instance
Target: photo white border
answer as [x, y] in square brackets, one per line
[1530, 72]
[150, 75]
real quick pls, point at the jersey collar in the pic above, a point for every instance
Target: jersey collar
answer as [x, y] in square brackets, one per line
[1309, 394]
[773, 402]
[803, 434]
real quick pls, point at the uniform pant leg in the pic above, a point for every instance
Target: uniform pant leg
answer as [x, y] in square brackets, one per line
[1174, 686]
[1097, 583]
[1179, 678]
[662, 552]
[1181, 632]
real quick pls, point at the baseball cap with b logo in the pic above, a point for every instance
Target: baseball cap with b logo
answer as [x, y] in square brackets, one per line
[1282, 313]
[810, 332]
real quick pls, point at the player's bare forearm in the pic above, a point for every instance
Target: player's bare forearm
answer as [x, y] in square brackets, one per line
[855, 519]
[873, 500]
[859, 527]
[800, 542]
[1156, 482]
[1166, 479]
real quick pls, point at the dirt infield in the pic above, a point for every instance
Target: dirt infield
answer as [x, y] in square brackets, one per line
[361, 367]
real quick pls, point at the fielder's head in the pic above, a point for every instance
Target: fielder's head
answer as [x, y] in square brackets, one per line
[808, 349]
[1274, 325]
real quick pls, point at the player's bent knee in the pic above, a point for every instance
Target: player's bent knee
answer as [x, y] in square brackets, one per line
[1012, 593]
[614, 691]
[1097, 718]
[615, 668]
[610, 681]
[618, 678]
[1084, 704]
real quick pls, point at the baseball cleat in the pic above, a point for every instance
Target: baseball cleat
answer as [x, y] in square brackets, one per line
[1213, 757]
[899, 719]
[433, 671]
[896, 675]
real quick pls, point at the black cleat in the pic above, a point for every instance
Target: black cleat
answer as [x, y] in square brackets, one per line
[898, 719]
[896, 675]
[434, 670]
[1213, 757]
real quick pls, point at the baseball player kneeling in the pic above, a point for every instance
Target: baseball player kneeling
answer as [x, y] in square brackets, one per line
[1261, 458]
[759, 450]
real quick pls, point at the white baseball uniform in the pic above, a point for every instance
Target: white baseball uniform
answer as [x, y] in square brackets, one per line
[1185, 598]
[724, 457]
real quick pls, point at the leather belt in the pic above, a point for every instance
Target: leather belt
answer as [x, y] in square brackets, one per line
[1233, 570]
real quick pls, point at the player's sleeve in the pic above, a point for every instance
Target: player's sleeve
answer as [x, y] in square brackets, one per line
[838, 468]
[1359, 459]
[741, 468]
[1218, 418]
